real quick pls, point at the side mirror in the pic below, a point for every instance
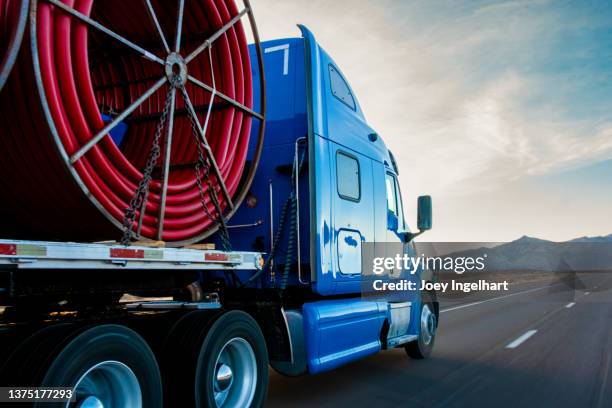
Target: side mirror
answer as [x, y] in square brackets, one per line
[424, 213]
[423, 218]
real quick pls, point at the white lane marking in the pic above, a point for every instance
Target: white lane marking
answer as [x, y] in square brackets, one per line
[450, 309]
[586, 293]
[571, 304]
[521, 339]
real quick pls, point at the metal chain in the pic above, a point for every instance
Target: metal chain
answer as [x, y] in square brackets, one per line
[143, 186]
[202, 171]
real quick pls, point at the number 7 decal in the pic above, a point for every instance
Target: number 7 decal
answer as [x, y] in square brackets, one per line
[285, 49]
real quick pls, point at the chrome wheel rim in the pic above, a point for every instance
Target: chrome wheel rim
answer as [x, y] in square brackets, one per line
[234, 380]
[428, 325]
[107, 384]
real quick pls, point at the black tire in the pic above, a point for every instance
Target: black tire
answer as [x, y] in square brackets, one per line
[238, 327]
[179, 355]
[428, 317]
[32, 354]
[109, 349]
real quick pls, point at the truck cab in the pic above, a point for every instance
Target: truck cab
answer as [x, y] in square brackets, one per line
[325, 195]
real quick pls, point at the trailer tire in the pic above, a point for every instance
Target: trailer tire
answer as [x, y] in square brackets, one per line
[233, 354]
[110, 364]
[422, 347]
[26, 362]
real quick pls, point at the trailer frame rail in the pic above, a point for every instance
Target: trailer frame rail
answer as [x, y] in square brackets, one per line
[18, 254]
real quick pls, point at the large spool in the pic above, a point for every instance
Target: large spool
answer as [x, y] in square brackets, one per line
[89, 66]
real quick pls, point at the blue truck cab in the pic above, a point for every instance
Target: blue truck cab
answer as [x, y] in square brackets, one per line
[325, 189]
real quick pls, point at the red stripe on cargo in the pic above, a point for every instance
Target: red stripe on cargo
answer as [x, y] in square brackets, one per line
[8, 249]
[127, 253]
[216, 257]
[79, 71]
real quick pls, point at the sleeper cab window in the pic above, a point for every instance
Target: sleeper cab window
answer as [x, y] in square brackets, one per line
[340, 88]
[348, 177]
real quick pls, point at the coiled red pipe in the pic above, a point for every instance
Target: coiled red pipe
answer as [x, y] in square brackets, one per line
[71, 73]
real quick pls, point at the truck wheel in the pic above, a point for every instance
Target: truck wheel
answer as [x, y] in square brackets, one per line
[232, 366]
[28, 359]
[108, 366]
[423, 346]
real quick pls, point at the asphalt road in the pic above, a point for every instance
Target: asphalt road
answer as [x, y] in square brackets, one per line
[545, 345]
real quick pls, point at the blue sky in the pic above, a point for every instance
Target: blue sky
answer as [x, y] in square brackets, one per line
[502, 110]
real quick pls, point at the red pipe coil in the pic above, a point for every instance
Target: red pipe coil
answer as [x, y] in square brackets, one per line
[71, 72]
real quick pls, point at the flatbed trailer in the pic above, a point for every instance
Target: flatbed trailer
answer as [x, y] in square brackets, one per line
[46, 327]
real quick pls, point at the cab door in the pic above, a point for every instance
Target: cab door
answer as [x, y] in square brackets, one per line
[394, 222]
[396, 226]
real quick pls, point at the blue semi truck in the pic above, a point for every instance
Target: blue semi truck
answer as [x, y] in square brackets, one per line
[290, 293]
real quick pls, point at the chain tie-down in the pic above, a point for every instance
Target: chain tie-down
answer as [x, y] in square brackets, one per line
[202, 172]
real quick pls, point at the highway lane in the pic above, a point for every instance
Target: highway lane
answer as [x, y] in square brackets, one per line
[560, 357]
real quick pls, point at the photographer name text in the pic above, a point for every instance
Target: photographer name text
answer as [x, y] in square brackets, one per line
[453, 285]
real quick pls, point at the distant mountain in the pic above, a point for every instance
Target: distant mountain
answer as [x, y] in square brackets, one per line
[606, 238]
[528, 253]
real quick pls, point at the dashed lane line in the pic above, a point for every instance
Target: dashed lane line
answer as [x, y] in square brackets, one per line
[520, 340]
[450, 309]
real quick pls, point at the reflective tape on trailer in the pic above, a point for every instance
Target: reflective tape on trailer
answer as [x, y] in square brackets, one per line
[69, 255]
[23, 249]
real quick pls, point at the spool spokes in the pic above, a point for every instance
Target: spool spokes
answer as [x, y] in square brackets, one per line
[167, 53]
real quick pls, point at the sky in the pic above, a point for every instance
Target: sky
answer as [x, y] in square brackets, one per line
[500, 110]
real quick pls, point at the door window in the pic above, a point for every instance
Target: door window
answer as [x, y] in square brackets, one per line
[391, 200]
[394, 199]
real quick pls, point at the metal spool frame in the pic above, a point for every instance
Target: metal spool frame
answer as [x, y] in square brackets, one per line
[18, 28]
[179, 62]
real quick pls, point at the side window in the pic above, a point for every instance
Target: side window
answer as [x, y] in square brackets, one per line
[391, 200]
[348, 177]
[340, 88]
[394, 199]
[400, 206]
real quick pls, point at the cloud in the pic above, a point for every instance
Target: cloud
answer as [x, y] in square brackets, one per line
[470, 96]
[444, 83]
